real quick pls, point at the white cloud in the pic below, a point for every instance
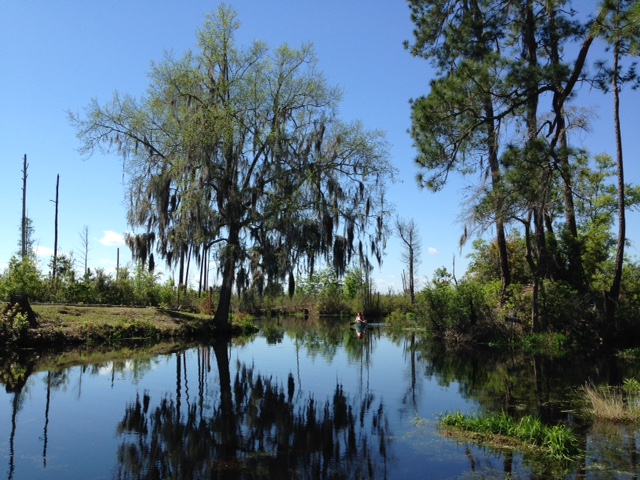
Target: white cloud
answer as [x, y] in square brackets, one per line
[112, 239]
[44, 251]
[432, 250]
[388, 282]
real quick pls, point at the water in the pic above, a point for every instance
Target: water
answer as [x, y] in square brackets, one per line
[303, 399]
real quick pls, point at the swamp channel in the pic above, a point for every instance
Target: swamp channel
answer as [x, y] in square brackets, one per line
[300, 399]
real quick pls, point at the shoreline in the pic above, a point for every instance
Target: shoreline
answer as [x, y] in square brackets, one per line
[69, 326]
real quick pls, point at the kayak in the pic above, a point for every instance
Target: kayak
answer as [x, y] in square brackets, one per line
[367, 325]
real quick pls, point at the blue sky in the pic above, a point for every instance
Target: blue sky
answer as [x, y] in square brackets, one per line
[56, 56]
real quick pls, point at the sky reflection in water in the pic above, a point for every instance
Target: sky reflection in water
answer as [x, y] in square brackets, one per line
[292, 403]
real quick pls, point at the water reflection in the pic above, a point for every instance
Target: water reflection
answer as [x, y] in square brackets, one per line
[257, 429]
[301, 400]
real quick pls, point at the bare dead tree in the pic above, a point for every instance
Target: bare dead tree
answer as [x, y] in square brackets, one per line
[23, 242]
[55, 241]
[84, 253]
[410, 237]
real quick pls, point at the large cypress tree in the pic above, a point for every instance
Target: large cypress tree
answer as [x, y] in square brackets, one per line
[243, 150]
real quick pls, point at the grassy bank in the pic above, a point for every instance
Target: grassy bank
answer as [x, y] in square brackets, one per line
[61, 326]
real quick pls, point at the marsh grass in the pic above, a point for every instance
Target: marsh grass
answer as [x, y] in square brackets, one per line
[91, 325]
[620, 404]
[501, 430]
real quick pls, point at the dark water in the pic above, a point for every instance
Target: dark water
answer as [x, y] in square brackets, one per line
[303, 399]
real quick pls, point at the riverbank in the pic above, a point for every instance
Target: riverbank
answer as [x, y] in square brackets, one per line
[63, 326]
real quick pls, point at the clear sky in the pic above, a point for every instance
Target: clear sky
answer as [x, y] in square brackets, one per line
[57, 55]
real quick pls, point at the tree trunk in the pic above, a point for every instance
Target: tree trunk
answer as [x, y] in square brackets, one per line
[496, 178]
[535, 316]
[614, 292]
[55, 241]
[492, 153]
[412, 291]
[540, 271]
[221, 319]
[24, 207]
[575, 274]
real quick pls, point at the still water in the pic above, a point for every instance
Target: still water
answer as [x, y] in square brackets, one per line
[302, 399]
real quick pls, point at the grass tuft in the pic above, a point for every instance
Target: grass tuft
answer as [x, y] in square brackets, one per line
[500, 429]
[619, 404]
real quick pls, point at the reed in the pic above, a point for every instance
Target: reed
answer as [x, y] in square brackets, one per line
[620, 404]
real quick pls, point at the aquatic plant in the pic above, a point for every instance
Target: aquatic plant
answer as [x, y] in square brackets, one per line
[613, 403]
[556, 441]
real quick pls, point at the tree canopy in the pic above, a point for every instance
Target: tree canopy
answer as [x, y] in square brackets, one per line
[240, 153]
[499, 109]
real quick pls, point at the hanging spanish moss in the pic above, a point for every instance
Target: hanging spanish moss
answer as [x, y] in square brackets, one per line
[243, 155]
[340, 253]
[292, 284]
[141, 247]
[327, 228]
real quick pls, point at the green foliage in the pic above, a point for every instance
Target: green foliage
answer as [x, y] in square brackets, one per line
[331, 301]
[29, 232]
[315, 284]
[547, 344]
[308, 172]
[402, 319]
[557, 441]
[60, 286]
[460, 309]
[130, 287]
[631, 388]
[567, 203]
[628, 311]
[21, 278]
[353, 283]
[13, 324]
[484, 262]
[325, 290]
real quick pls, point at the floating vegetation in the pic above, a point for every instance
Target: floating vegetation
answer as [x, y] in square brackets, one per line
[501, 430]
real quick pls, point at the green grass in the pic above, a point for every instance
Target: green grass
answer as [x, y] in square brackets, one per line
[556, 441]
[62, 325]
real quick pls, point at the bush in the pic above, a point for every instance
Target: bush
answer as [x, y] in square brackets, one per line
[21, 278]
[463, 309]
[330, 301]
[13, 323]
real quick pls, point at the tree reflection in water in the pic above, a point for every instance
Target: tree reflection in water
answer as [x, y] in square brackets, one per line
[258, 428]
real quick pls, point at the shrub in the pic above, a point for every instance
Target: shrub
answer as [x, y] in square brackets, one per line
[21, 278]
[13, 323]
[464, 309]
